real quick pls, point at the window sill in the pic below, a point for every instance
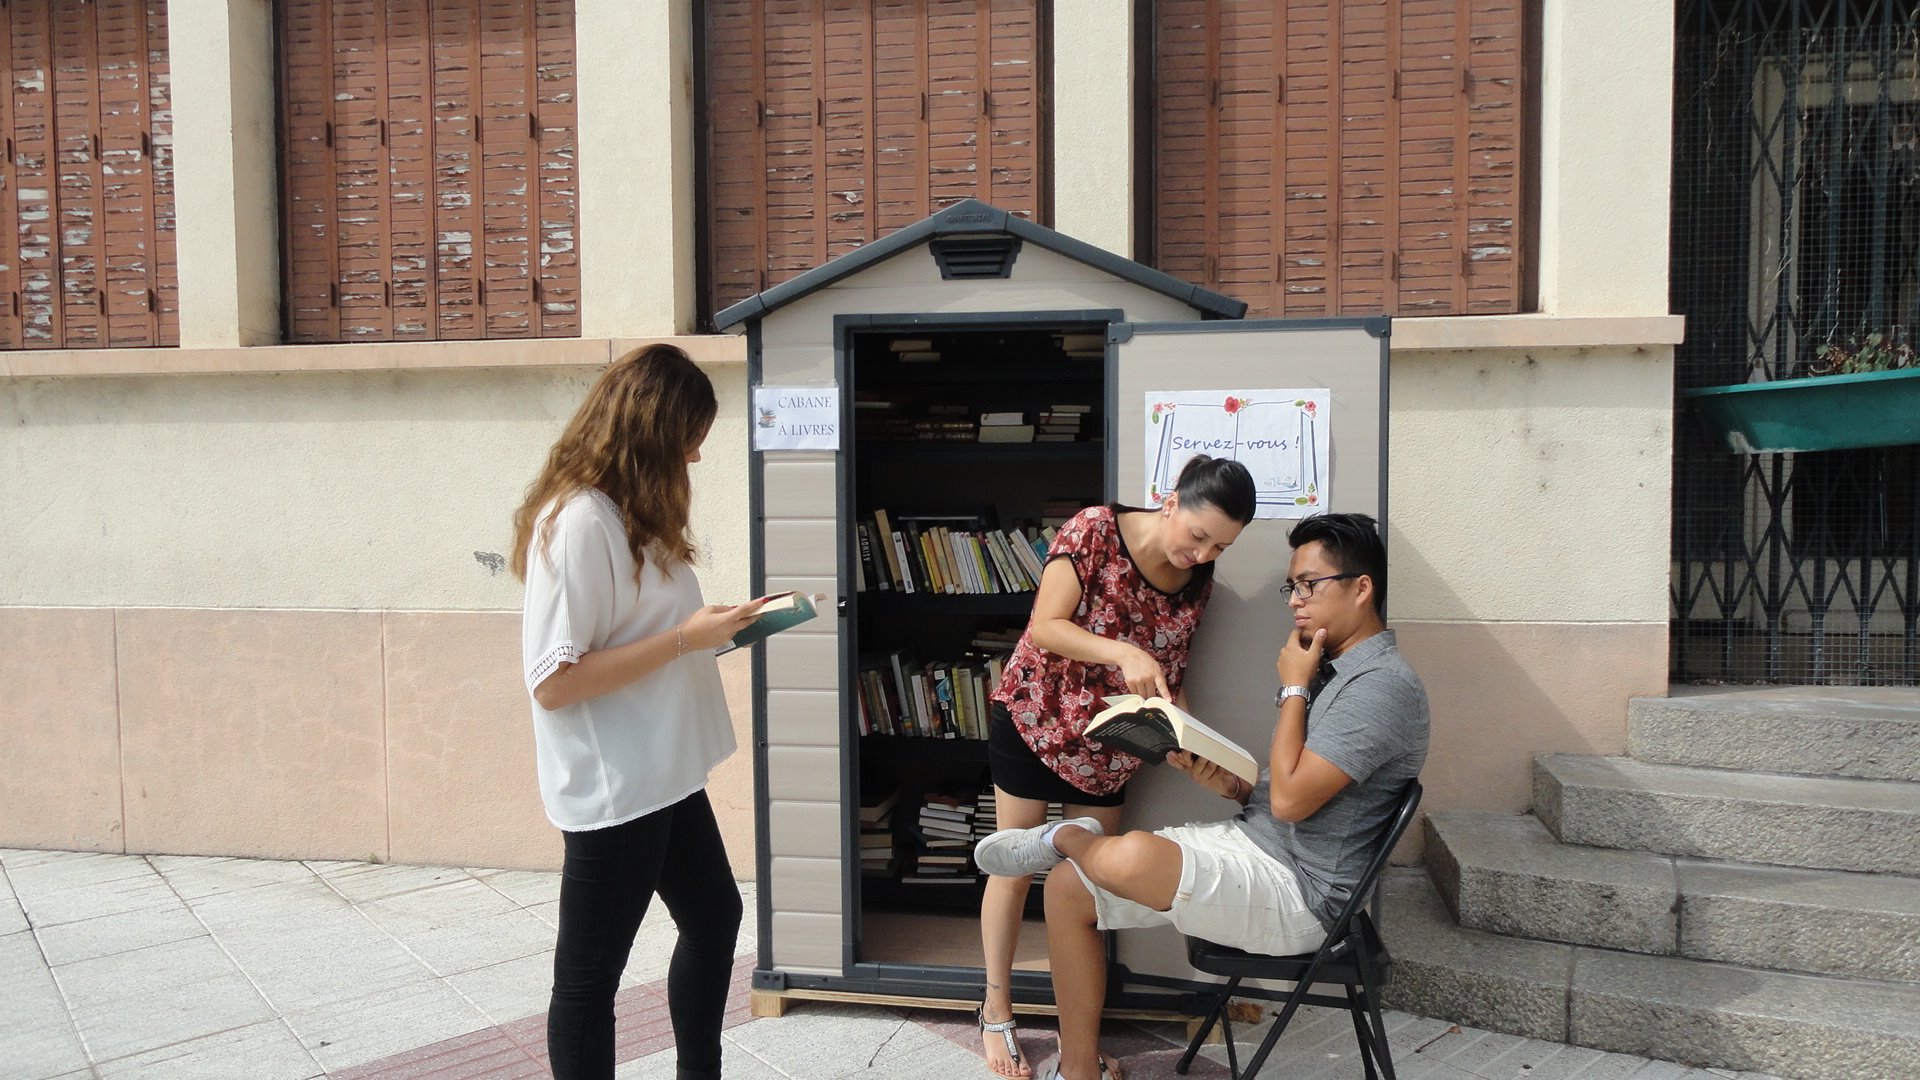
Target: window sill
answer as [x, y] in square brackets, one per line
[366, 356]
[1464, 333]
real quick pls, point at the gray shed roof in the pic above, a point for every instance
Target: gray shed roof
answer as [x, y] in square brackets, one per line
[971, 217]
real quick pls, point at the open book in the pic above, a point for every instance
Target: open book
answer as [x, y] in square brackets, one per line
[779, 612]
[1150, 728]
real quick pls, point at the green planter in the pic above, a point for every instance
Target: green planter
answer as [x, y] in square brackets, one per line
[1825, 412]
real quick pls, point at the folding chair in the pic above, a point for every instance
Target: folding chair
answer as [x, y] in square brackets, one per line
[1352, 956]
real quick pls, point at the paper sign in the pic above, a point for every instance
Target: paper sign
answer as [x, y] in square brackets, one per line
[796, 418]
[1281, 436]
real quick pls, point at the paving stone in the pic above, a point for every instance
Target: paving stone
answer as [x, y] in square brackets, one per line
[509, 991]
[348, 1033]
[1469, 976]
[87, 886]
[13, 919]
[1700, 1013]
[363, 882]
[1866, 825]
[196, 876]
[1505, 873]
[263, 1051]
[37, 1039]
[1823, 921]
[1871, 732]
[735, 1062]
[104, 935]
[523, 887]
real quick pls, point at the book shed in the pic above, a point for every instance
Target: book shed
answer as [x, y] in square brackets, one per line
[970, 380]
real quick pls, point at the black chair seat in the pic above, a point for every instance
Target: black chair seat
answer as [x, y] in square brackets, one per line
[1228, 962]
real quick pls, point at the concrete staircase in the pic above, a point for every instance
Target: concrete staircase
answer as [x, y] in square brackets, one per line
[1742, 892]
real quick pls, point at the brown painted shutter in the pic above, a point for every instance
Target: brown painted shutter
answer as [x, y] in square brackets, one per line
[1319, 157]
[834, 122]
[88, 178]
[430, 177]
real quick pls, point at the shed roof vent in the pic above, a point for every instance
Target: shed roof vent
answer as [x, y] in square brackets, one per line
[986, 257]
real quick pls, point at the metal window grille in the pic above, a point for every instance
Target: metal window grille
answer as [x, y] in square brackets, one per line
[1796, 223]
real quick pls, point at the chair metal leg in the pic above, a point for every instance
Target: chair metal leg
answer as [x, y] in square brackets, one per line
[1219, 1014]
[1356, 1009]
[1381, 1051]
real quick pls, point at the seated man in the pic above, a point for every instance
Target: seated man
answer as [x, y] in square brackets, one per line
[1352, 731]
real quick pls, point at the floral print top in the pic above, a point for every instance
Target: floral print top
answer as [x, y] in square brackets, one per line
[1051, 697]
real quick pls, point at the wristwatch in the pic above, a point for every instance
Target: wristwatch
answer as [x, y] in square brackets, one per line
[1280, 696]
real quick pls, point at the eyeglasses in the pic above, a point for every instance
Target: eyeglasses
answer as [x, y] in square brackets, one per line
[1304, 587]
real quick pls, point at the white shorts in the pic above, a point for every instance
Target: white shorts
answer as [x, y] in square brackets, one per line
[1231, 893]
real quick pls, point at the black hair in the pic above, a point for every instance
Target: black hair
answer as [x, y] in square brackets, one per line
[1221, 483]
[1354, 546]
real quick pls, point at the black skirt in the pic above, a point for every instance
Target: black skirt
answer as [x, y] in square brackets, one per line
[1020, 773]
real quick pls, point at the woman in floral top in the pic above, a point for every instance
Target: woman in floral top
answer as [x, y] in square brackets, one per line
[1121, 596]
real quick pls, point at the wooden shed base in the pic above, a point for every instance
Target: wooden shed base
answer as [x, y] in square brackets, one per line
[777, 1002]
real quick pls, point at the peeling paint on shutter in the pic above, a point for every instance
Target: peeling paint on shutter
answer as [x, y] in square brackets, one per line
[834, 122]
[1322, 157]
[429, 169]
[88, 177]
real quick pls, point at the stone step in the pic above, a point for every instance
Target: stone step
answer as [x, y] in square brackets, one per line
[1867, 732]
[1695, 1012]
[1506, 874]
[1826, 823]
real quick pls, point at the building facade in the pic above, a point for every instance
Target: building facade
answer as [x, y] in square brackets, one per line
[261, 442]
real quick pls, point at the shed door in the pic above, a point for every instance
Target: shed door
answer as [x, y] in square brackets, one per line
[1231, 680]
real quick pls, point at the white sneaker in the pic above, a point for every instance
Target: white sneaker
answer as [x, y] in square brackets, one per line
[1022, 852]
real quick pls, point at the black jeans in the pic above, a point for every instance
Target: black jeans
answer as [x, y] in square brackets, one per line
[609, 877]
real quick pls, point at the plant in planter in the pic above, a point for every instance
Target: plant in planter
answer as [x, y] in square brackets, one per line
[1878, 351]
[1862, 392]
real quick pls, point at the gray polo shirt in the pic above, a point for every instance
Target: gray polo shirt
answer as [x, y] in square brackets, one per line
[1369, 718]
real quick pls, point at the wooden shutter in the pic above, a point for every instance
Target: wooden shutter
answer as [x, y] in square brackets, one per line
[88, 177]
[429, 169]
[834, 122]
[1318, 157]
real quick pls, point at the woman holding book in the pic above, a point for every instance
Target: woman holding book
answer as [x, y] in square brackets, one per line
[628, 714]
[1121, 595]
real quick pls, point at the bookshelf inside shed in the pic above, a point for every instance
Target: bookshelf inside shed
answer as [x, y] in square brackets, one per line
[966, 446]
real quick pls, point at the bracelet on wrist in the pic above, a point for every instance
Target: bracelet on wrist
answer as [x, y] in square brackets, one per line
[679, 641]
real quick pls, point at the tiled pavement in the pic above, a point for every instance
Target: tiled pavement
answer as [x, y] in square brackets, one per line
[210, 968]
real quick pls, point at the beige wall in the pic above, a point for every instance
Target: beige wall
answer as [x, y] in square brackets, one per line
[1093, 123]
[636, 166]
[264, 614]
[226, 194]
[1528, 536]
[1606, 92]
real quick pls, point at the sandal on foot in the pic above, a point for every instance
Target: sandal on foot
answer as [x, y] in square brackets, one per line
[1004, 1029]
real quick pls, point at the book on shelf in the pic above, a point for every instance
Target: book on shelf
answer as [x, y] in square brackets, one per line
[1002, 419]
[1149, 728]
[1006, 433]
[946, 554]
[877, 807]
[780, 612]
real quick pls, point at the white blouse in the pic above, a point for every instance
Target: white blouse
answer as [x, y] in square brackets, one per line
[650, 743]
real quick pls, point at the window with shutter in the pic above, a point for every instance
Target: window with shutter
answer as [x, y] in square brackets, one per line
[1319, 157]
[831, 123]
[88, 177]
[428, 169]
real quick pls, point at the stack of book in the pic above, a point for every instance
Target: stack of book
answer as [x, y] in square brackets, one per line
[944, 553]
[1005, 427]
[1057, 510]
[876, 834]
[986, 820]
[1061, 423]
[940, 699]
[945, 828]
[1084, 346]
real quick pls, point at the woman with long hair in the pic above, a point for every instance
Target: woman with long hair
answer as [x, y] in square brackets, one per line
[1120, 597]
[628, 713]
